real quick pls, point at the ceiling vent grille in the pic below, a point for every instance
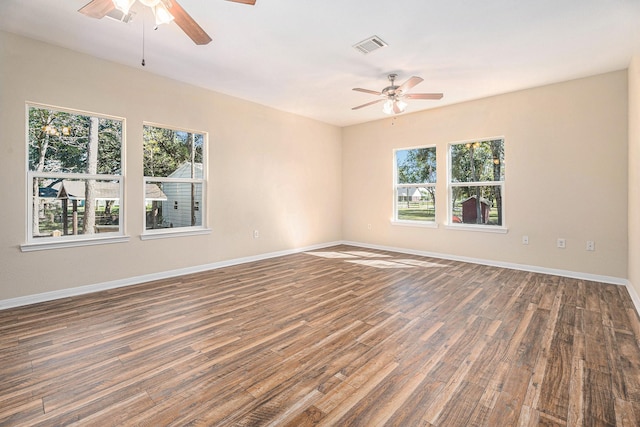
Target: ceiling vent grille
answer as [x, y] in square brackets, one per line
[369, 45]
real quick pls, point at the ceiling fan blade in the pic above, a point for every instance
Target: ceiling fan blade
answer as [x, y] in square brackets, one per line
[188, 24]
[373, 92]
[369, 103]
[410, 83]
[97, 8]
[423, 96]
[251, 2]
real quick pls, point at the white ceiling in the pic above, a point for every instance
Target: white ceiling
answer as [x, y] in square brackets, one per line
[297, 55]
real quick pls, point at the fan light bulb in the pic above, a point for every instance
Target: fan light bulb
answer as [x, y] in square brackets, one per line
[123, 5]
[387, 108]
[160, 11]
[163, 16]
[394, 106]
[150, 3]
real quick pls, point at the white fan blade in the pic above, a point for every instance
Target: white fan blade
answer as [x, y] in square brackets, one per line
[373, 92]
[423, 96]
[410, 83]
[368, 103]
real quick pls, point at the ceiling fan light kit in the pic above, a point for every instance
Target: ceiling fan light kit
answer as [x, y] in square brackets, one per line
[393, 95]
[123, 5]
[162, 14]
[394, 107]
[160, 10]
[164, 11]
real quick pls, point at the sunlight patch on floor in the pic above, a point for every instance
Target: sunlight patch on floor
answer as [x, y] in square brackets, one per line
[420, 263]
[327, 254]
[365, 254]
[353, 257]
[379, 263]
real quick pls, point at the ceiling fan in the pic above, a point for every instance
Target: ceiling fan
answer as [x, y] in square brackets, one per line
[393, 95]
[165, 11]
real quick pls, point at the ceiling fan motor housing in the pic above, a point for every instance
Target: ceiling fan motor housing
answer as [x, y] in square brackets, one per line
[391, 90]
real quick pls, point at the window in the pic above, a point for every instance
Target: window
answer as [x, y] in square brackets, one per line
[74, 175]
[174, 179]
[415, 185]
[476, 183]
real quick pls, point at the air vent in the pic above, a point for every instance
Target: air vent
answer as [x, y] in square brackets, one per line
[369, 45]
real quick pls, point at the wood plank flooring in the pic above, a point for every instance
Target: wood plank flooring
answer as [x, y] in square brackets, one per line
[335, 337]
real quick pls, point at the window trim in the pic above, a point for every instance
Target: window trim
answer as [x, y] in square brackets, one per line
[58, 242]
[449, 224]
[161, 233]
[396, 185]
[64, 242]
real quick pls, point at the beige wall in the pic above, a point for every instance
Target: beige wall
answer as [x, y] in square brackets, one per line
[312, 183]
[634, 173]
[566, 176]
[275, 172]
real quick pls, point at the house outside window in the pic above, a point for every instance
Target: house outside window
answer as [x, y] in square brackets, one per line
[175, 184]
[74, 174]
[476, 183]
[415, 186]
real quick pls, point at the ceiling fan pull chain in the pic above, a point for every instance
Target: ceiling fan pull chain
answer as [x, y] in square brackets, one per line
[143, 39]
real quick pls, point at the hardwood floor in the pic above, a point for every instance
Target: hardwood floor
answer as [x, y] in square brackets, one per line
[341, 336]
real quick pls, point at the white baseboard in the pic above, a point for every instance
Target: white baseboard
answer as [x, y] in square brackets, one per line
[70, 292]
[513, 266]
[634, 296]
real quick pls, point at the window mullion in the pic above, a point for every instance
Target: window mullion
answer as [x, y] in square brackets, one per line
[416, 185]
[66, 175]
[178, 180]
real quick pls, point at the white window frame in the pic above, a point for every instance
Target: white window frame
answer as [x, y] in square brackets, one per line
[161, 233]
[396, 186]
[58, 242]
[487, 228]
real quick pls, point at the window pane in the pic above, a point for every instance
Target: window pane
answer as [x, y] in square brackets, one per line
[477, 161]
[415, 204]
[416, 166]
[466, 210]
[60, 141]
[173, 204]
[172, 153]
[75, 207]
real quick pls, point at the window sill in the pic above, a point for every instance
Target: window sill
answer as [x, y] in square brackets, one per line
[61, 244]
[480, 228]
[163, 234]
[423, 224]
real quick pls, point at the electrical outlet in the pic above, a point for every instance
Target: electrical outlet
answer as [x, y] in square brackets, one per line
[256, 234]
[525, 240]
[562, 243]
[591, 245]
